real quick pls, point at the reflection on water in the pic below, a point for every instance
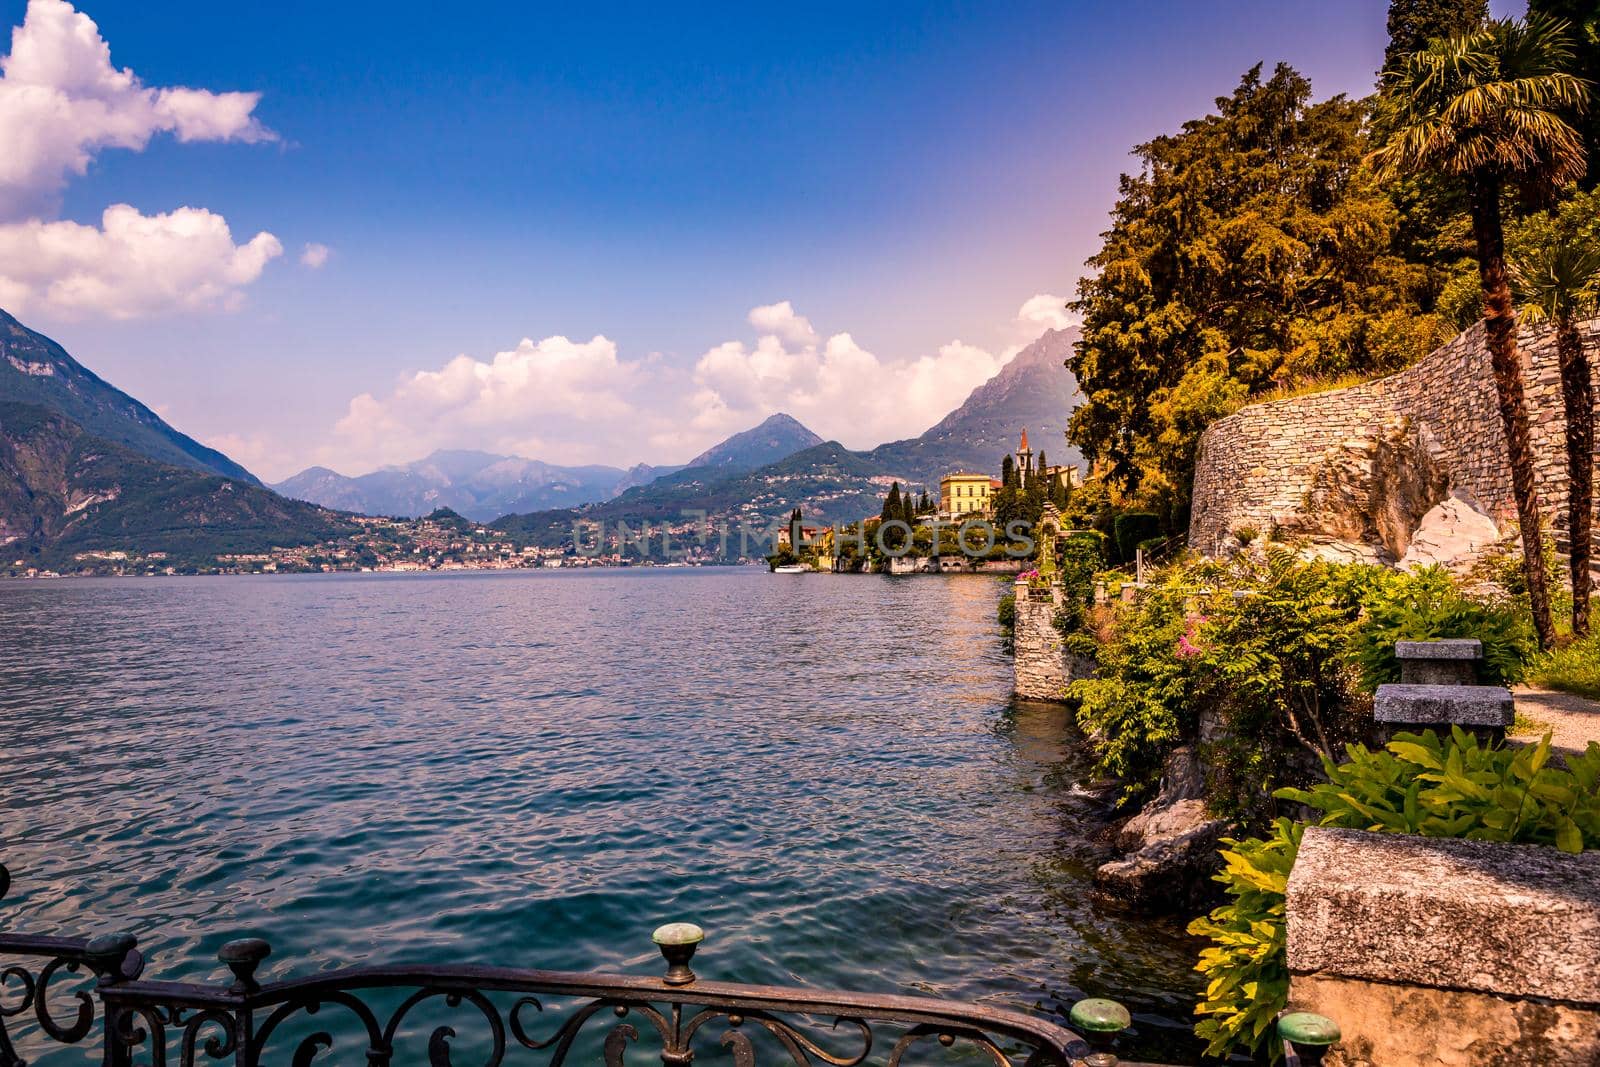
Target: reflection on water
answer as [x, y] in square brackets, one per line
[538, 768]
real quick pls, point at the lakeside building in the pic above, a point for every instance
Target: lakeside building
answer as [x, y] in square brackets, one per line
[964, 493]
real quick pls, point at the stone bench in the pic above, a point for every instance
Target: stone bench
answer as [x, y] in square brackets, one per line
[1486, 710]
[1450, 661]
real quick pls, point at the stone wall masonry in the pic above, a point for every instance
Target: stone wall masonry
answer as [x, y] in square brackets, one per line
[1256, 467]
[1042, 663]
[1432, 951]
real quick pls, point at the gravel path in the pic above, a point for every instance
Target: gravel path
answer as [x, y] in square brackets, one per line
[1573, 721]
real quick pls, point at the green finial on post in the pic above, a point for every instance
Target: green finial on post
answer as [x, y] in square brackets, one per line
[1100, 1021]
[677, 942]
[1308, 1036]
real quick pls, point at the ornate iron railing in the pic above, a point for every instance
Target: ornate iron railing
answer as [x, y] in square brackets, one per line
[395, 1015]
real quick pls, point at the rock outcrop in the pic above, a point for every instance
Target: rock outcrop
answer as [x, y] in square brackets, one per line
[1170, 847]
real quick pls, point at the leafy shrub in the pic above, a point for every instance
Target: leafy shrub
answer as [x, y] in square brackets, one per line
[1574, 668]
[1007, 612]
[1422, 784]
[1247, 965]
[1132, 527]
[1459, 788]
[1259, 642]
[1140, 701]
[1426, 605]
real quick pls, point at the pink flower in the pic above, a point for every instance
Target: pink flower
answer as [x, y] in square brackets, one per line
[1185, 649]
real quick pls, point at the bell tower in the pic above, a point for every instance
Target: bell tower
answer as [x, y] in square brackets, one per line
[1024, 460]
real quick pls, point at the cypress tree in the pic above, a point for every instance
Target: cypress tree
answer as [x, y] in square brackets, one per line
[891, 504]
[1008, 471]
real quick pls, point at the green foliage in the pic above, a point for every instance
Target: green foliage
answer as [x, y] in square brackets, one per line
[1427, 605]
[1246, 966]
[1572, 668]
[1132, 527]
[1555, 259]
[1455, 787]
[1257, 642]
[1583, 17]
[1252, 249]
[1421, 784]
[1489, 106]
[1007, 613]
[1413, 23]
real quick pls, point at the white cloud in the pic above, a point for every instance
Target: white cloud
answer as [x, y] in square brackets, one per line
[132, 265]
[557, 397]
[61, 101]
[780, 319]
[836, 387]
[570, 402]
[315, 255]
[1042, 312]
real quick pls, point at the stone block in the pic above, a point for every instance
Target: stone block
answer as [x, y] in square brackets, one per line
[1488, 706]
[1450, 661]
[1509, 920]
[1386, 1025]
[1453, 648]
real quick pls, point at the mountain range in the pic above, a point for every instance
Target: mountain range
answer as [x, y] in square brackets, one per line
[830, 483]
[483, 485]
[64, 490]
[86, 467]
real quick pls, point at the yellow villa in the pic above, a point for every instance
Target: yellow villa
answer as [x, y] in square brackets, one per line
[964, 493]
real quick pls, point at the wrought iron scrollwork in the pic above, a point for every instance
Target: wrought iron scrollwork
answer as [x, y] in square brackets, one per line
[488, 1016]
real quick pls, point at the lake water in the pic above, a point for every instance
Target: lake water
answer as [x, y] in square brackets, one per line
[538, 768]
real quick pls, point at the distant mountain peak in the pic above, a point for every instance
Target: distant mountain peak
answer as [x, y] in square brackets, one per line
[777, 437]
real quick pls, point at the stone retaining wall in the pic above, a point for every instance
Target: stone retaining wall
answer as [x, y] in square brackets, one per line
[1256, 467]
[1043, 666]
[1432, 951]
[953, 565]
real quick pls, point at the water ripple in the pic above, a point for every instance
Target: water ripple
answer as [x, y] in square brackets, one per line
[538, 768]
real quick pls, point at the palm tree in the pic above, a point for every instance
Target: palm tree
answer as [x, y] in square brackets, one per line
[1557, 276]
[1486, 108]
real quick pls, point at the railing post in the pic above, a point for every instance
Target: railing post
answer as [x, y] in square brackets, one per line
[243, 957]
[677, 942]
[114, 958]
[1306, 1037]
[1100, 1021]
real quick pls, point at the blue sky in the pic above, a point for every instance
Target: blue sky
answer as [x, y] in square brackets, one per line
[635, 179]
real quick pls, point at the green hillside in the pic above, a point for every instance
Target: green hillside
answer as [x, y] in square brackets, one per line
[65, 491]
[36, 370]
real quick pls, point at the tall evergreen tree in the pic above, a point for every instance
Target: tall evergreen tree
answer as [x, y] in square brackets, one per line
[1251, 249]
[1486, 109]
[1414, 23]
[891, 504]
[1008, 471]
